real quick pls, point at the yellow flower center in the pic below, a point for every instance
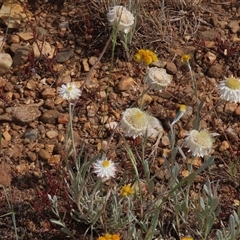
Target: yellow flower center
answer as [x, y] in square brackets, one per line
[233, 83]
[138, 117]
[69, 88]
[105, 163]
[202, 138]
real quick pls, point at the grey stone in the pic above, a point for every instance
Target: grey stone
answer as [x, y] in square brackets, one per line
[64, 56]
[21, 55]
[22, 114]
[31, 134]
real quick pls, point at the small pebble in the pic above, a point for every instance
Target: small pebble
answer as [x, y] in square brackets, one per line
[124, 84]
[5, 62]
[230, 107]
[63, 56]
[171, 68]
[51, 134]
[224, 146]
[7, 136]
[237, 111]
[43, 154]
[31, 134]
[85, 65]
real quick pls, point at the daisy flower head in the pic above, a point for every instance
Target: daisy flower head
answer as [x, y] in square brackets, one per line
[109, 236]
[69, 91]
[187, 238]
[134, 122]
[157, 78]
[230, 89]
[122, 17]
[145, 56]
[185, 58]
[200, 142]
[127, 190]
[104, 168]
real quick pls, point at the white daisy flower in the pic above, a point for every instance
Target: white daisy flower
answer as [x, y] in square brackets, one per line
[104, 168]
[121, 16]
[230, 89]
[200, 142]
[134, 122]
[69, 91]
[157, 78]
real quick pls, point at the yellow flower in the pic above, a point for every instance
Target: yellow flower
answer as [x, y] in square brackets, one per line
[115, 237]
[182, 107]
[187, 238]
[185, 58]
[101, 238]
[137, 57]
[127, 190]
[108, 236]
[145, 56]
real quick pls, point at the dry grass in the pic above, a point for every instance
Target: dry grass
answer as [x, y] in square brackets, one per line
[184, 15]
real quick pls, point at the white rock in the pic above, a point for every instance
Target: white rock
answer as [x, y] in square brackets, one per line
[51, 134]
[5, 62]
[43, 47]
[111, 125]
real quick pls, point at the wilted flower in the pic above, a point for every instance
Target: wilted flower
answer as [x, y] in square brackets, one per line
[134, 122]
[145, 56]
[122, 17]
[69, 91]
[230, 89]
[154, 127]
[185, 58]
[199, 143]
[157, 78]
[127, 190]
[181, 112]
[108, 236]
[104, 168]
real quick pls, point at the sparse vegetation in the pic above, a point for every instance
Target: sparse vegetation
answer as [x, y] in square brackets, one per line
[132, 141]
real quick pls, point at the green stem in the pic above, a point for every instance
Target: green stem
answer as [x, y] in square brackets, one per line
[71, 130]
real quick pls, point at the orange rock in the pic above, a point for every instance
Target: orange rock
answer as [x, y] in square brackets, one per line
[63, 119]
[5, 174]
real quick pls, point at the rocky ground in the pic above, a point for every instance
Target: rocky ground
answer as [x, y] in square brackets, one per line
[57, 42]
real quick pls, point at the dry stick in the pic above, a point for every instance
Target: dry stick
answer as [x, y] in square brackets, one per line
[95, 64]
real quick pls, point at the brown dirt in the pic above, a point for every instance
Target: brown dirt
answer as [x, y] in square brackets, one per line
[32, 154]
